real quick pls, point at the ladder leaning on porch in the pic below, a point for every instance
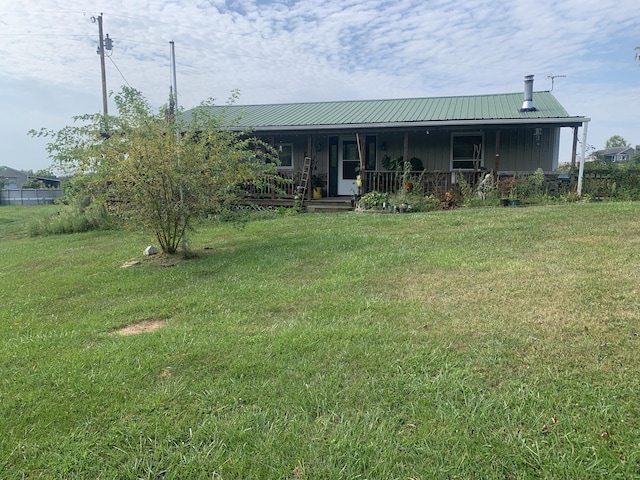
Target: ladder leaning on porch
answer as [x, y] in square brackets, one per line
[301, 191]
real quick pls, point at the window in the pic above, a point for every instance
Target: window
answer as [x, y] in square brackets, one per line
[285, 154]
[350, 160]
[370, 154]
[349, 150]
[467, 151]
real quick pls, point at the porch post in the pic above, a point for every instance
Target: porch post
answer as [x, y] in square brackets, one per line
[574, 148]
[310, 190]
[497, 161]
[585, 128]
[405, 152]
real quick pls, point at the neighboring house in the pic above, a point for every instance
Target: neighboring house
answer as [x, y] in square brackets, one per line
[47, 182]
[448, 135]
[615, 154]
[14, 179]
[12, 192]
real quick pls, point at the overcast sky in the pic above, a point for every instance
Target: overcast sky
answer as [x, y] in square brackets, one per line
[315, 50]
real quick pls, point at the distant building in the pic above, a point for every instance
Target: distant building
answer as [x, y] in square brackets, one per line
[615, 154]
[14, 179]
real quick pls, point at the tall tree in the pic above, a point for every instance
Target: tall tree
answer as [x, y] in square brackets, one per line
[160, 171]
[616, 141]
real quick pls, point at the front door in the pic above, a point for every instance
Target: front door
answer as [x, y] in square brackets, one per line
[348, 166]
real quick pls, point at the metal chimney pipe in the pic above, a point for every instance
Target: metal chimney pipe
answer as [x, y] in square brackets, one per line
[527, 106]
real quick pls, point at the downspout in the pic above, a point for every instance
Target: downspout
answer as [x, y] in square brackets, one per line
[585, 128]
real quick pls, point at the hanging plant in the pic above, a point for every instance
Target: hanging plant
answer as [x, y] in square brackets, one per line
[389, 163]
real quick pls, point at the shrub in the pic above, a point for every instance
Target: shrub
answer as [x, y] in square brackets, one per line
[374, 200]
[415, 200]
[75, 218]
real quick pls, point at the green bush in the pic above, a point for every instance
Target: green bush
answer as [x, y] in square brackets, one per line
[374, 200]
[415, 201]
[614, 181]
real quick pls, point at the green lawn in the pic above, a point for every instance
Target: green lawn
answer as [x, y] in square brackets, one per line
[494, 343]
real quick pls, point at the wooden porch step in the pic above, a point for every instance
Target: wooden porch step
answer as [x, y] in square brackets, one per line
[329, 204]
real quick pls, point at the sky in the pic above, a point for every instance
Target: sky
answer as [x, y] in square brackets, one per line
[315, 50]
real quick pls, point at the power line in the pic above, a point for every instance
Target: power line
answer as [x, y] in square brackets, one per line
[114, 64]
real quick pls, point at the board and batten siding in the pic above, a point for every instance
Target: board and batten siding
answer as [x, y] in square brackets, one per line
[520, 150]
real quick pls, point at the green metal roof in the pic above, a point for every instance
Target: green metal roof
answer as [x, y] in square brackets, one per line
[486, 109]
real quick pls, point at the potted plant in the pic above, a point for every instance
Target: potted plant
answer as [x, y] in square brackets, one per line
[354, 198]
[514, 201]
[317, 185]
[510, 191]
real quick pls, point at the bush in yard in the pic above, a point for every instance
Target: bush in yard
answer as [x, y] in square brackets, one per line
[73, 218]
[374, 200]
[157, 170]
[614, 181]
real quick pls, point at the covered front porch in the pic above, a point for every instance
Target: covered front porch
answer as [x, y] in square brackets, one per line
[440, 158]
[287, 186]
[286, 191]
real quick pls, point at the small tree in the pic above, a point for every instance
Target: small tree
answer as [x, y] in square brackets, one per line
[33, 183]
[160, 171]
[616, 141]
[45, 172]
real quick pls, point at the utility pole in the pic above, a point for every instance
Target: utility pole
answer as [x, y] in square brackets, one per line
[104, 44]
[174, 102]
[173, 67]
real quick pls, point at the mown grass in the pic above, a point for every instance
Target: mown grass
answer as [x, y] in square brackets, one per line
[483, 343]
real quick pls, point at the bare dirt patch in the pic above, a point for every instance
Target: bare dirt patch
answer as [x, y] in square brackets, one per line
[142, 327]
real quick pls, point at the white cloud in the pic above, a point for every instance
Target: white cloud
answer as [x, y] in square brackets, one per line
[286, 51]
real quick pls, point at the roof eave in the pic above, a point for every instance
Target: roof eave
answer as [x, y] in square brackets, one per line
[560, 122]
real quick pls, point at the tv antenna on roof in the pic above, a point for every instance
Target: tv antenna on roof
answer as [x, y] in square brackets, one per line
[552, 78]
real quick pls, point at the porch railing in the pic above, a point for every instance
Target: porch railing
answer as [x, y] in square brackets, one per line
[283, 185]
[430, 183]
[436, 183]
